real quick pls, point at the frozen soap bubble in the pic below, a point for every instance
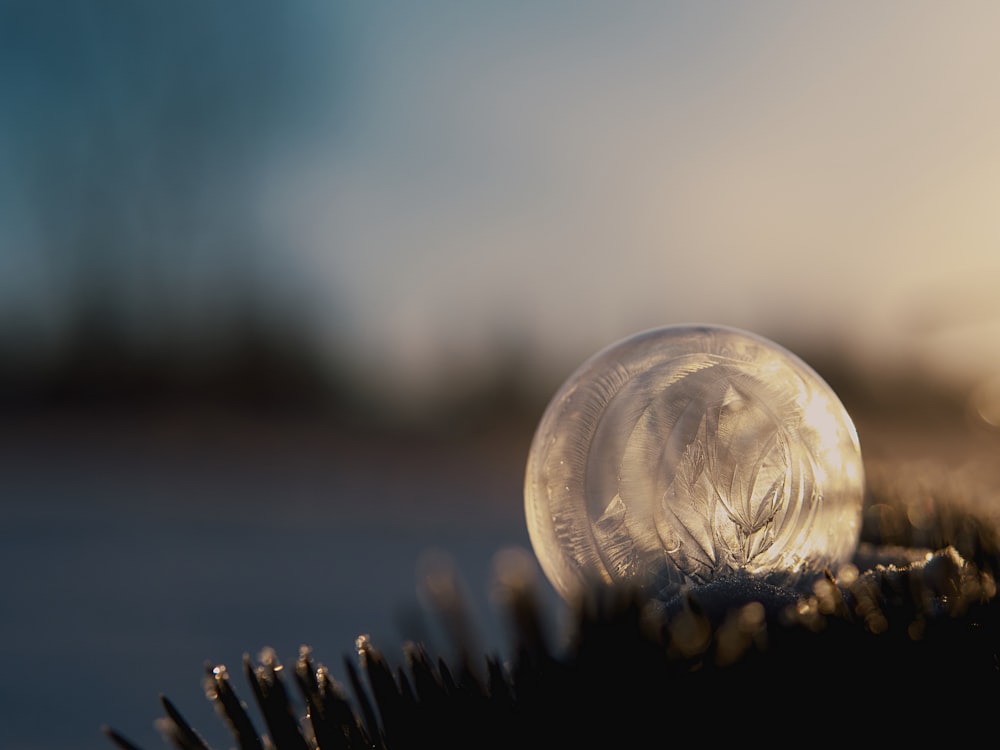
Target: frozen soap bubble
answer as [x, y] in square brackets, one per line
[686, 454]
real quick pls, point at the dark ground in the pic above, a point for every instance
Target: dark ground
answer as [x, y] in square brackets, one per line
[133, 550]
[140, 543]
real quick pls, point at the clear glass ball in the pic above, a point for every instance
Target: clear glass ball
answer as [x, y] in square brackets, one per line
[686, 454]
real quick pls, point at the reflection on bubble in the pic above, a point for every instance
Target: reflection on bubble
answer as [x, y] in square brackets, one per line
[984, 402]
[688, 453]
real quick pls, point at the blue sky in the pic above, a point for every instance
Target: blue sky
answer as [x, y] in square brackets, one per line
[425, 182]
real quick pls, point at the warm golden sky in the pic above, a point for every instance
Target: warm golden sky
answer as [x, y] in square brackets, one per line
[452, 174]
[579, 171]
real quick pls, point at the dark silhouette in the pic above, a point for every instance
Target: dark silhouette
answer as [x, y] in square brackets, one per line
[909, 646]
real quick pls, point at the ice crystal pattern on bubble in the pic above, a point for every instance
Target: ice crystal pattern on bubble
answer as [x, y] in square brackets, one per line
[688, 453]
[728, 502]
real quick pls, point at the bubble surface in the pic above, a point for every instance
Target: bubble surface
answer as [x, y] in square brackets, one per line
[685, 454]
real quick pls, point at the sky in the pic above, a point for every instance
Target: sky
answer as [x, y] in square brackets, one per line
[431, 186]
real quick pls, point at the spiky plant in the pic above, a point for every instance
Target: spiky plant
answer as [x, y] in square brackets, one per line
[906, 646]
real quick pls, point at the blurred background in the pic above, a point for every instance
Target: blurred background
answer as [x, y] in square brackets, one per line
[284, 288]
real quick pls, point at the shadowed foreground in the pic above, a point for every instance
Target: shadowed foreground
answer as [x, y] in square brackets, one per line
[905, 647]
